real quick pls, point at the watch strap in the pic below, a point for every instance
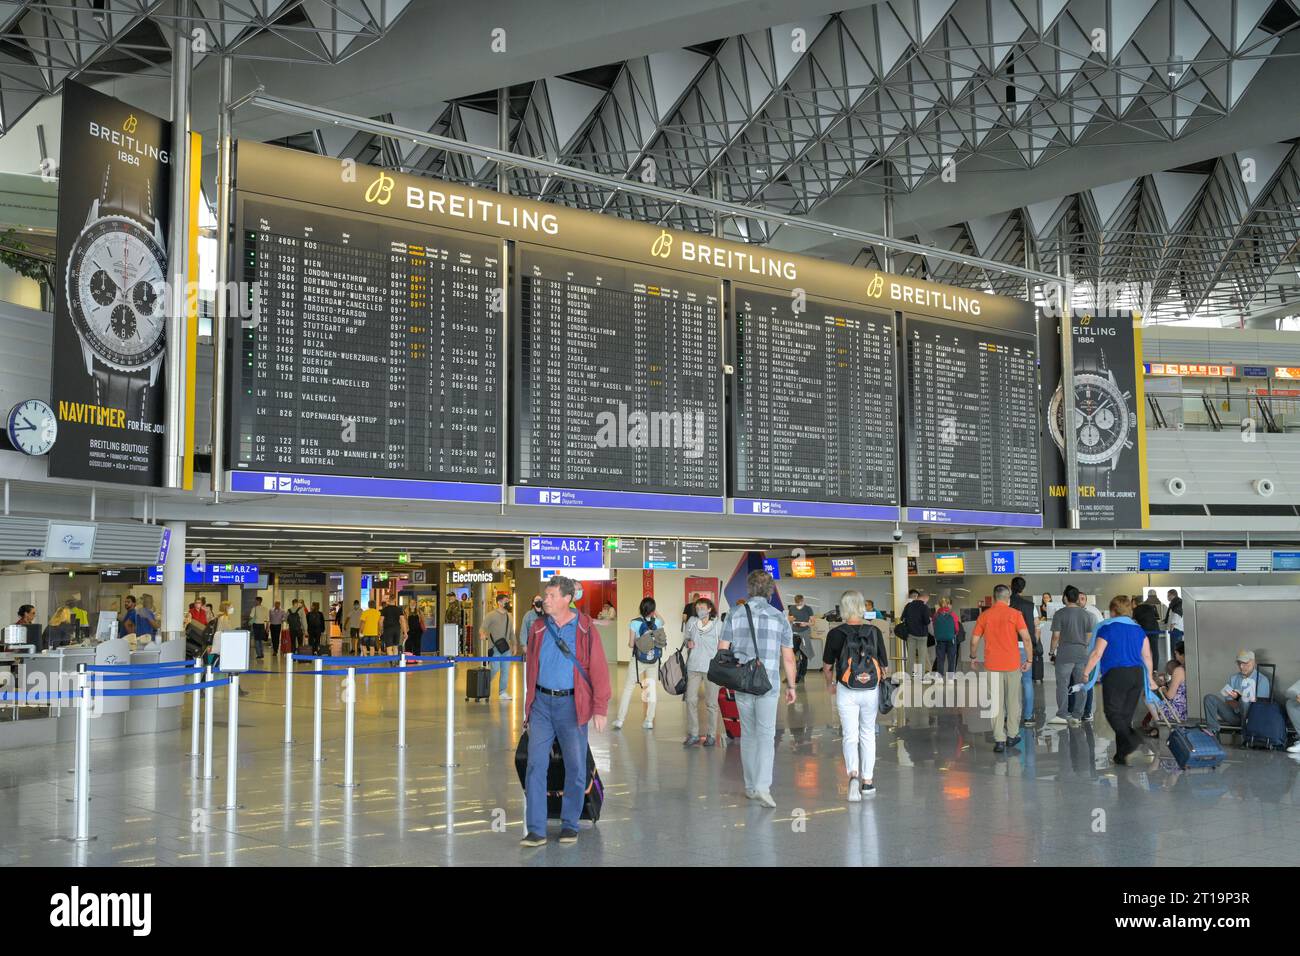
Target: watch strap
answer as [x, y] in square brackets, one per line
[131, 199]
[115, 388]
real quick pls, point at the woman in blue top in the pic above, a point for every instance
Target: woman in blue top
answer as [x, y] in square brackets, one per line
[643, 674]
[1124, 654]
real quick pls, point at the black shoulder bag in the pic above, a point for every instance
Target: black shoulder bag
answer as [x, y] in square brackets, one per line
[728, 672]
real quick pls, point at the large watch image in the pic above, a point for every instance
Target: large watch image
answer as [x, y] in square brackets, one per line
[1104, 424]
[115, 286]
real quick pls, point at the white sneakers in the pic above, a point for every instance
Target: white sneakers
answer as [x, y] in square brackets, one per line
[504, 697]
[1294, 748]
[855, 790]
[1057, 719]
[751, 794]
[648, 725]
[765, 798]
[616, 725]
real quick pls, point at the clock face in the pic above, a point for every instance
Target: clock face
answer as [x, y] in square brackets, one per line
[1102, 422]
[116, 292]
[33, 427]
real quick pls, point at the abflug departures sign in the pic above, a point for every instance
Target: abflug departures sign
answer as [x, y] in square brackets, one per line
[110, 317]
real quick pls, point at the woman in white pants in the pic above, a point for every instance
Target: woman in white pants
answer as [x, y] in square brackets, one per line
[702, 632]
[639, 674]
[857, 706]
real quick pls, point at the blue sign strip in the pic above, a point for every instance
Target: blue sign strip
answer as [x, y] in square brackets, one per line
[771, 507]
[1286, 560]
[636, 500]
[1153, 560]
[566, 552]
[408, 489]
[951, 516]
[1221, 561]
[1002, 562]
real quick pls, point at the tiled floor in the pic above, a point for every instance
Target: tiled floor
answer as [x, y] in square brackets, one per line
[944, 797]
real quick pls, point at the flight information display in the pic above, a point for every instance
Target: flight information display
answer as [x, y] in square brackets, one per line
[972, 419]
[376, 349]
[617, 377]
[814, 413]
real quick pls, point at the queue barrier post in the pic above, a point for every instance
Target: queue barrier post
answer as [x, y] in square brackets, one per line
[197, 710]
[401, 702]
[207, 724]
[232, 742]
[451, 712]
[316, 733]
[288, 698]
[349, 724]
[81, 782]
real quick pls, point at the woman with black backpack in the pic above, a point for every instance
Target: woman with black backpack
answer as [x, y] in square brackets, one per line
[856, 664]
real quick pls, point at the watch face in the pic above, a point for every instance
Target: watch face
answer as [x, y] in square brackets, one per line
[1102, 421]
[33, 427]
[116, 279]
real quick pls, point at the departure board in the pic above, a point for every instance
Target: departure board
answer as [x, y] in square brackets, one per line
[376, 351]
[618, 380]
[814, 412]
[972, 418]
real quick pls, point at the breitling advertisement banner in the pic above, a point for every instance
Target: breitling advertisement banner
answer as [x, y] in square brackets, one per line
[1109, 423]
[111, 299]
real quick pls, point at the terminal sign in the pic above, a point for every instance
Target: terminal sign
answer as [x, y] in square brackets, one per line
[1002, 562]
[1094, 561]
[1221, 561]
[566, 553]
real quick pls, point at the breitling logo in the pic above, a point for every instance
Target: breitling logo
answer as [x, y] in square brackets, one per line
[130, 124]
[380, 191]
[876, 287]
[1086, 320]
[663, 245]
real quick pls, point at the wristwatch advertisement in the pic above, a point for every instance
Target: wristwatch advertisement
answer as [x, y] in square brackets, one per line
[111, 296]
[1107, 424]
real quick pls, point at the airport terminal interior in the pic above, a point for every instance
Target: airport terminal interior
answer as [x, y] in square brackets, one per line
[865, 432]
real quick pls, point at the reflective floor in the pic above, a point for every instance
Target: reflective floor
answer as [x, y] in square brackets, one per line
[944, 796]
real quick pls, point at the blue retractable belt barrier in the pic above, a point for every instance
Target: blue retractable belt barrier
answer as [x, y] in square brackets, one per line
[473, 660]
[181, 664]
[170, 673]
[37, 696]
[345, 660]
[152, 691]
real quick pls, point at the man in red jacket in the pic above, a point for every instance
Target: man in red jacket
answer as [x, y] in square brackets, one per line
[568, 687]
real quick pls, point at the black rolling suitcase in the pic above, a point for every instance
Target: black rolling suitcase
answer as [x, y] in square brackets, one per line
[478, 683]
[595, 796]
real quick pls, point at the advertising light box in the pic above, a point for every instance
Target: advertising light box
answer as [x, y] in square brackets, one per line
[773, 567]
[1220, 560]
[1153, 560]
[803, 568]
[844, 568]
[1088, 561]
[950, 563]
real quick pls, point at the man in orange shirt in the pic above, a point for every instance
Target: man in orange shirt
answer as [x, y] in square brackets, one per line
[1005, 629]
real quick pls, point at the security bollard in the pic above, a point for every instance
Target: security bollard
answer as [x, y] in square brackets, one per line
[198, 709]
[232, 742]
[349, 725]
[401, 702]
[288, 698]
[320, 686]
[81, 781]
[451, 712]
[207, 725]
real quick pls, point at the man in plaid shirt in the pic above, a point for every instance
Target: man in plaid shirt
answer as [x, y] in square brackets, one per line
[758, 714]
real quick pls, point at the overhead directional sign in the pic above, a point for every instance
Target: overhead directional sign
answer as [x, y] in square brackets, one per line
[694, 556]
[566, 552]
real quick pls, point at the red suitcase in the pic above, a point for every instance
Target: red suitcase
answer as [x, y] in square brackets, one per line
[730, 713]
[286, 642]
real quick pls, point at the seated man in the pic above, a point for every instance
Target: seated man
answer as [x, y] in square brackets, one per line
[1233, 703]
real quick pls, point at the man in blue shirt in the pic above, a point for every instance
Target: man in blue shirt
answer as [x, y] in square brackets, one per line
[568, 687]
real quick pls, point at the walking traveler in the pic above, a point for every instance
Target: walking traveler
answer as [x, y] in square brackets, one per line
[702, 632]
[856, 665]
[1124, 656]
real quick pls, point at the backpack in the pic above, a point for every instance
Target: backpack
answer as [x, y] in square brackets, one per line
[858, 666]
[946, 627]
[650, 645]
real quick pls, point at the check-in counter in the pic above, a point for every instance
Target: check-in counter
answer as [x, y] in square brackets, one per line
[608, 631]
[56, 670]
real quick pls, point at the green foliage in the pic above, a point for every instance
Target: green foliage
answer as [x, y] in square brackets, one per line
[15, 254]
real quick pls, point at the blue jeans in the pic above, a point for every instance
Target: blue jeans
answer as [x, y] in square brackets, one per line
[555, 718]
[945, 657]
[501, 668]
